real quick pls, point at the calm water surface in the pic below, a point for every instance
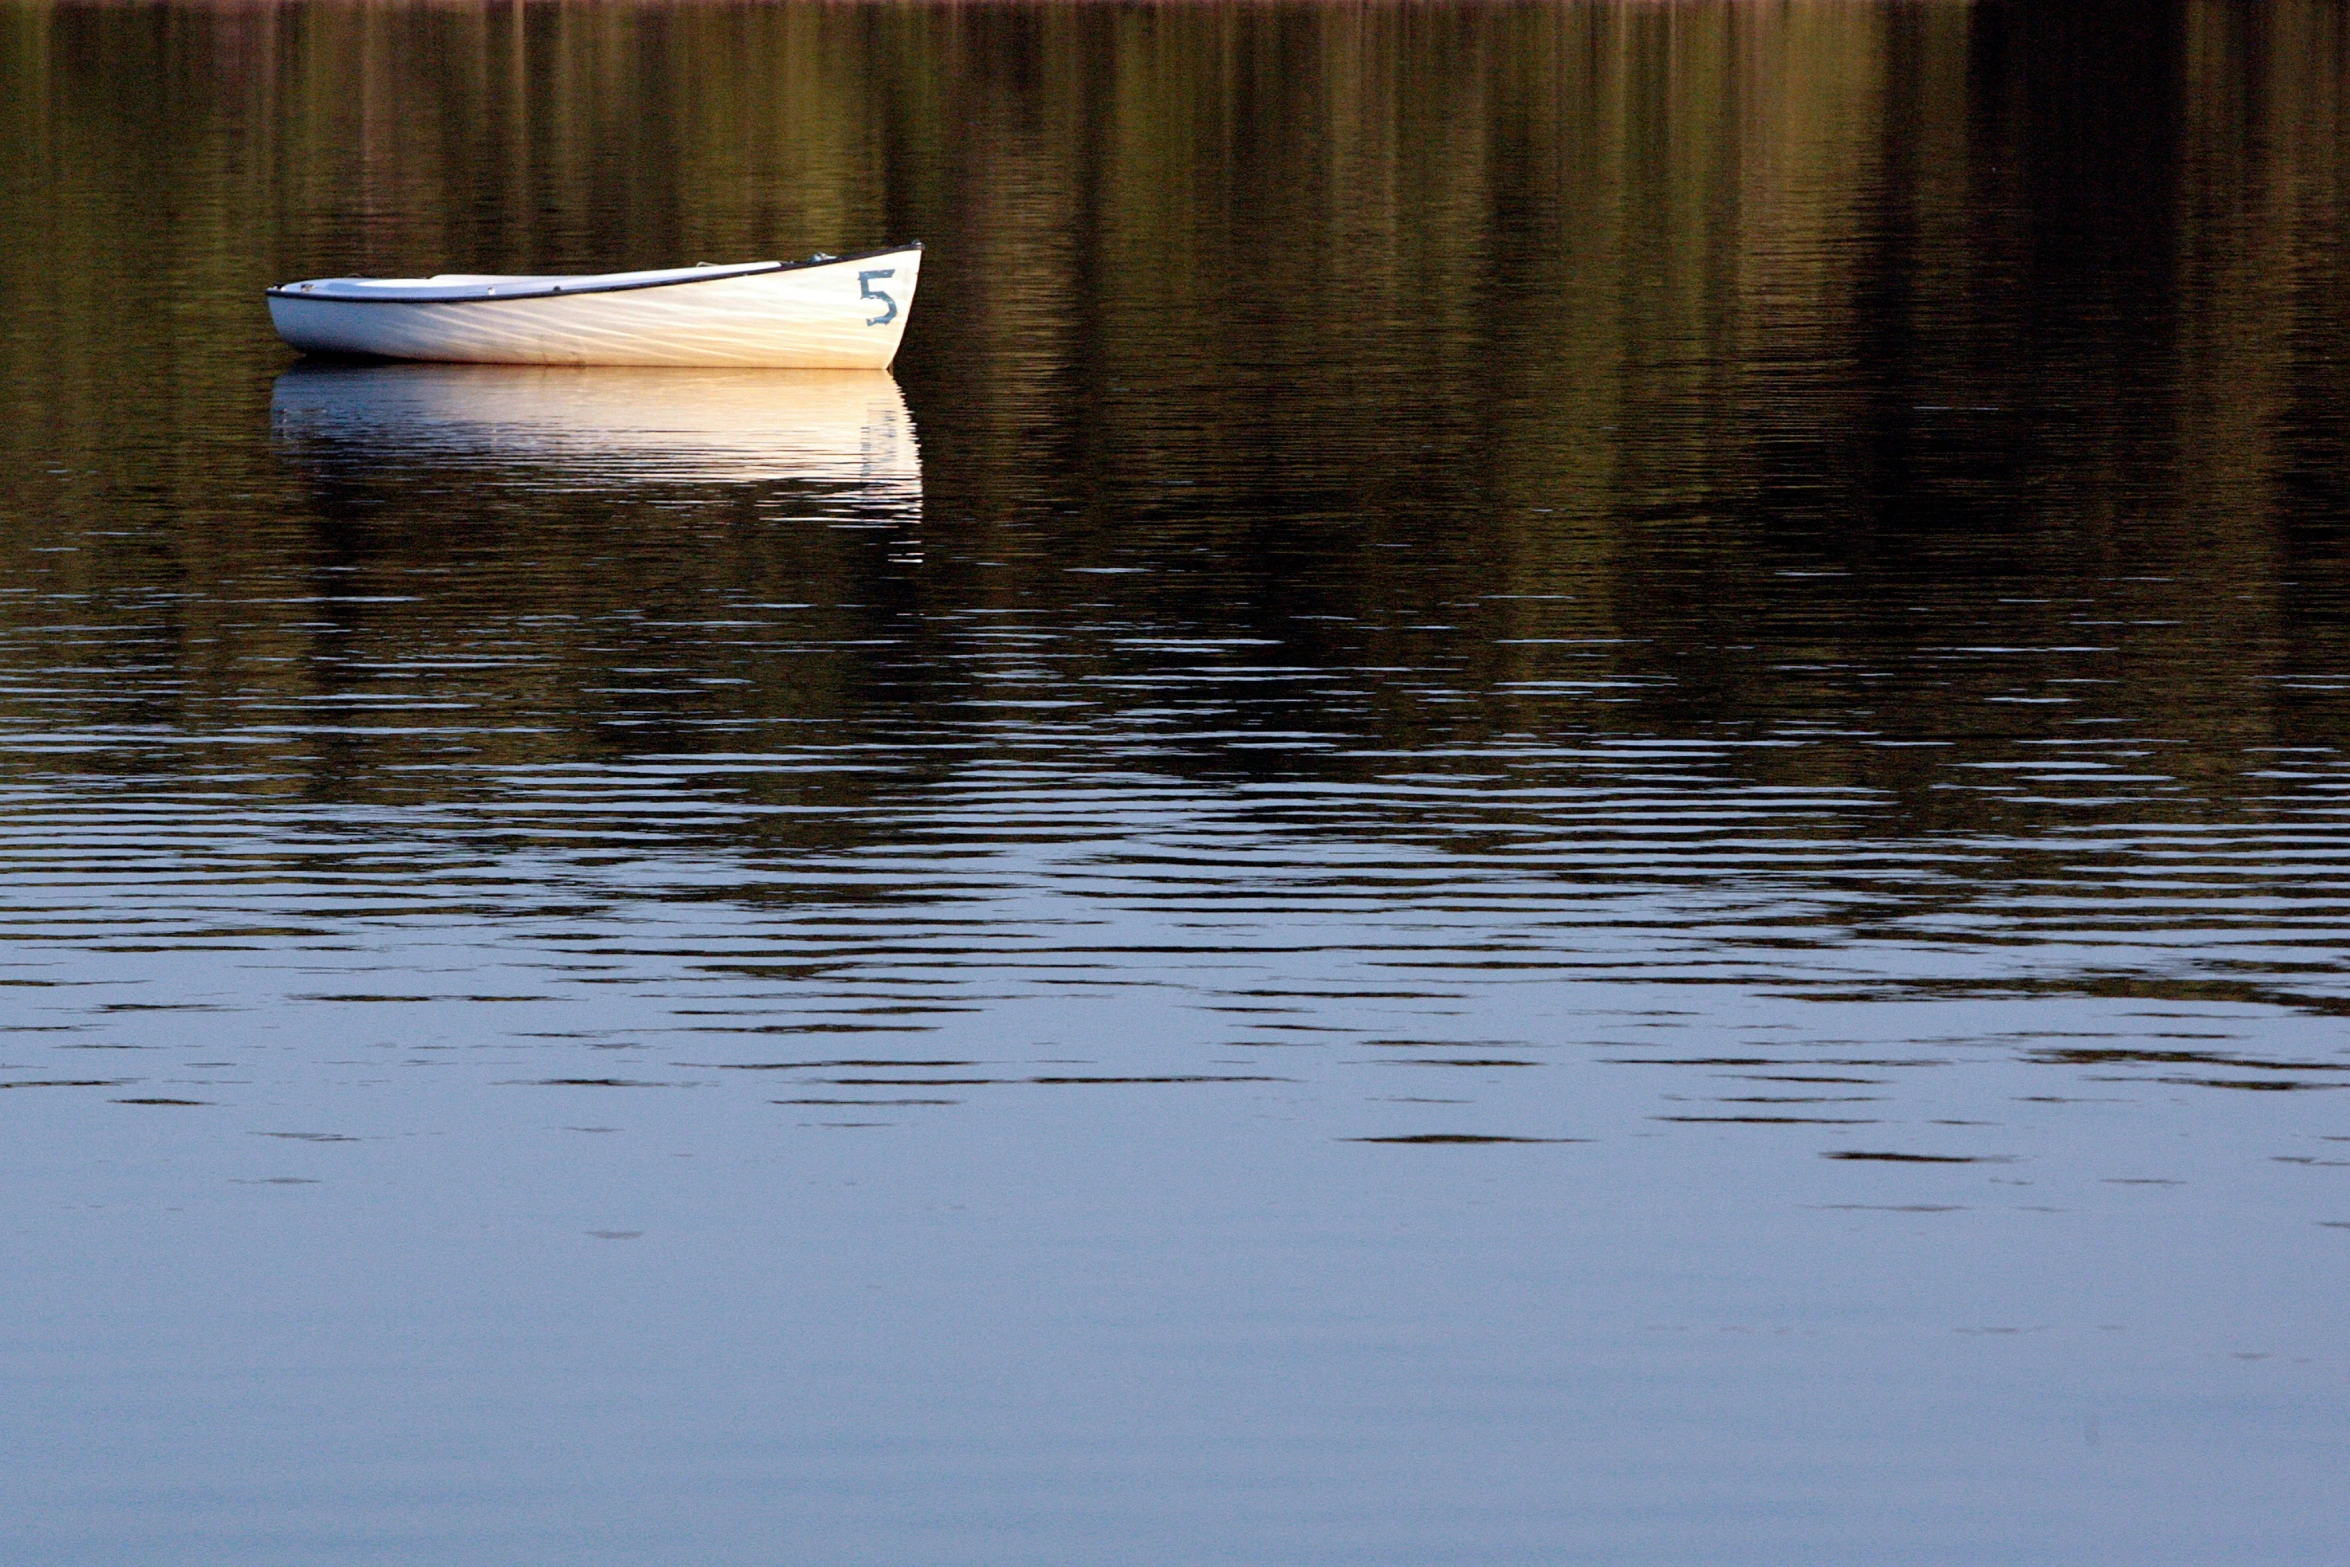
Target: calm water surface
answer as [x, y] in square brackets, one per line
[1558, 784]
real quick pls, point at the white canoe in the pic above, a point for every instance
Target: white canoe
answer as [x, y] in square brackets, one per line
[826, 313]
[846, 433]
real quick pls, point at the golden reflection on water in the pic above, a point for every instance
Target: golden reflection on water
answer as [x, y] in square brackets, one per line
[1627, 326]
[1657, 245]
[1664, 349]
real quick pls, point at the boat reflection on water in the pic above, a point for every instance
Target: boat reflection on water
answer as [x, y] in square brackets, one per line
[841, 434]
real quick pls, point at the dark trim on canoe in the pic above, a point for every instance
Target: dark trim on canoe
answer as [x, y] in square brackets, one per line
[549, 291]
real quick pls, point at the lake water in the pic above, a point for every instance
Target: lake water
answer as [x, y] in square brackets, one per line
[1558, 784]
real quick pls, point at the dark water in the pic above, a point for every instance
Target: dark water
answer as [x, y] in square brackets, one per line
[1561, 784]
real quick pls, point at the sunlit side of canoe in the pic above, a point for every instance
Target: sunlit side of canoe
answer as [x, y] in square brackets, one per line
[828, 313]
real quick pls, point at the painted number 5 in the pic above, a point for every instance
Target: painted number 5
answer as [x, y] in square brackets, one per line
[866, 290]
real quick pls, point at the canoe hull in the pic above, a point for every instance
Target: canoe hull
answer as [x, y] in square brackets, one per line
[833, 315]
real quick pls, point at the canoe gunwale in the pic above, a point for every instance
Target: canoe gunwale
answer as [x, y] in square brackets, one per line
[567, 290]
